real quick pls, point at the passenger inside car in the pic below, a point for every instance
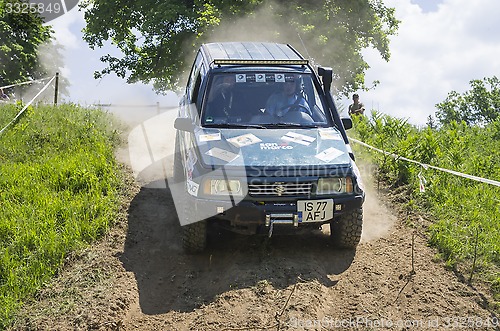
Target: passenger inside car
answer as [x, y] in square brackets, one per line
[221, 96]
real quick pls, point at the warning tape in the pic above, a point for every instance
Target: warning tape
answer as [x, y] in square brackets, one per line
[25, 83]
[123, 106]
[111, 105]
[27, 105]
[456, 173]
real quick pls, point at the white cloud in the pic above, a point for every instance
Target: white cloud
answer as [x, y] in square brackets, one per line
[62, 28]
[433, 54]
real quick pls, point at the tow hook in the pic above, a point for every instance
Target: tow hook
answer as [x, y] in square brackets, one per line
[288, 218]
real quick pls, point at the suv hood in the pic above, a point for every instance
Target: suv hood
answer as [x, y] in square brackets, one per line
[271, 147]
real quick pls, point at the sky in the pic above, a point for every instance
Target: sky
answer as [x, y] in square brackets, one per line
[440, 47]
[81, 62]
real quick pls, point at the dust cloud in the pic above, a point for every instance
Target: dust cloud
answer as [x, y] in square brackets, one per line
[50, 61]
[267, 24]
[261, 26]
[150, 145]
[378, 220]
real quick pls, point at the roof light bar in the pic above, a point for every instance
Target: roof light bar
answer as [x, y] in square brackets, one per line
[260, 62]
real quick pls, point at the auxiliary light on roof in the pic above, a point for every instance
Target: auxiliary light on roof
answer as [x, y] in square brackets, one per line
[260, 62]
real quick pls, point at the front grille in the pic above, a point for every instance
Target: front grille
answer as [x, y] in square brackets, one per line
[279, 189]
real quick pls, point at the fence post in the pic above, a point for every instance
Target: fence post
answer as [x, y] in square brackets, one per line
[56, 89]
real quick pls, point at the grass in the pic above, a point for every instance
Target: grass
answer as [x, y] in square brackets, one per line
[465, 214]
[60, 189]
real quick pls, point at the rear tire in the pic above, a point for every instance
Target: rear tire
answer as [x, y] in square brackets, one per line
[346, 230]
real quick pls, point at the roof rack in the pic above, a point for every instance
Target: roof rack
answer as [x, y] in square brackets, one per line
[260, 62]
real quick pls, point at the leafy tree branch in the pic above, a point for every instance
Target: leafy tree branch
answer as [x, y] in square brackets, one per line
[157, 38]
[480, 105]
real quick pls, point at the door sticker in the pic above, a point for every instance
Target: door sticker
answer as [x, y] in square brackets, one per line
[191, 161]
[192, 188]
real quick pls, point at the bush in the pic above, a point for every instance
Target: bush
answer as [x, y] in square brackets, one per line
[465, 213]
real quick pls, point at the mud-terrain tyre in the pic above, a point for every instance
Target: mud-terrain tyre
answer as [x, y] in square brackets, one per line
[194, 237]
[346, 230]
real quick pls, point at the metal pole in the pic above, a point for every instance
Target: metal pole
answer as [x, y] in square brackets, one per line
[56, 89]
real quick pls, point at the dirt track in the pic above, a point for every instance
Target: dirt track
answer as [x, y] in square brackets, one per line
[139, 278]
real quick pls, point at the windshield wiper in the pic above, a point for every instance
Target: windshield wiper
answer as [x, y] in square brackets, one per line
[287, 124]
[236, 125]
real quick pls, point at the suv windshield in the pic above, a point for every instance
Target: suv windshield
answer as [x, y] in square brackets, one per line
[262, 99]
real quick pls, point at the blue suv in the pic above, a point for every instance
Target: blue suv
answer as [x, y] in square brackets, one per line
[261, 147]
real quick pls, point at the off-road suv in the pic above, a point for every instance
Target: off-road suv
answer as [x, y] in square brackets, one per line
[261, 148]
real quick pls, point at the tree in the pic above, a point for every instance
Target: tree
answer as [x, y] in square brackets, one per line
[28, 52]
[431, 123]
[21, 35]
[479, 105]
[158, 38]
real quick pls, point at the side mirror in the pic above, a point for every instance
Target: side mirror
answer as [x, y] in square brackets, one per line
[347, 122]
[184, 124]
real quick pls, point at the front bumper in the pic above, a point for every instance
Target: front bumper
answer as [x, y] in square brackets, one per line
[248, 216]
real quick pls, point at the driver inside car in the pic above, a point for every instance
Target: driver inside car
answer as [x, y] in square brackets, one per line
[288, 104]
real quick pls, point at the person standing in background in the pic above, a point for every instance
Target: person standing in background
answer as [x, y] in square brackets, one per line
[356, 108]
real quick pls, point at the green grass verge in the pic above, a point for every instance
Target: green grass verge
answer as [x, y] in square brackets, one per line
[465, 214]
[60, 189]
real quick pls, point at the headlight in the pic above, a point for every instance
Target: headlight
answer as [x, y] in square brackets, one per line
[334, 185]
[223, 187]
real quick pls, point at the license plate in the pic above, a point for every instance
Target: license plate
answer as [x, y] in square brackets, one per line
[315, 210]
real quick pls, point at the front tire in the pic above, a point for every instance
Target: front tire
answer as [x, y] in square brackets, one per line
[346, 230]
[194, 237]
